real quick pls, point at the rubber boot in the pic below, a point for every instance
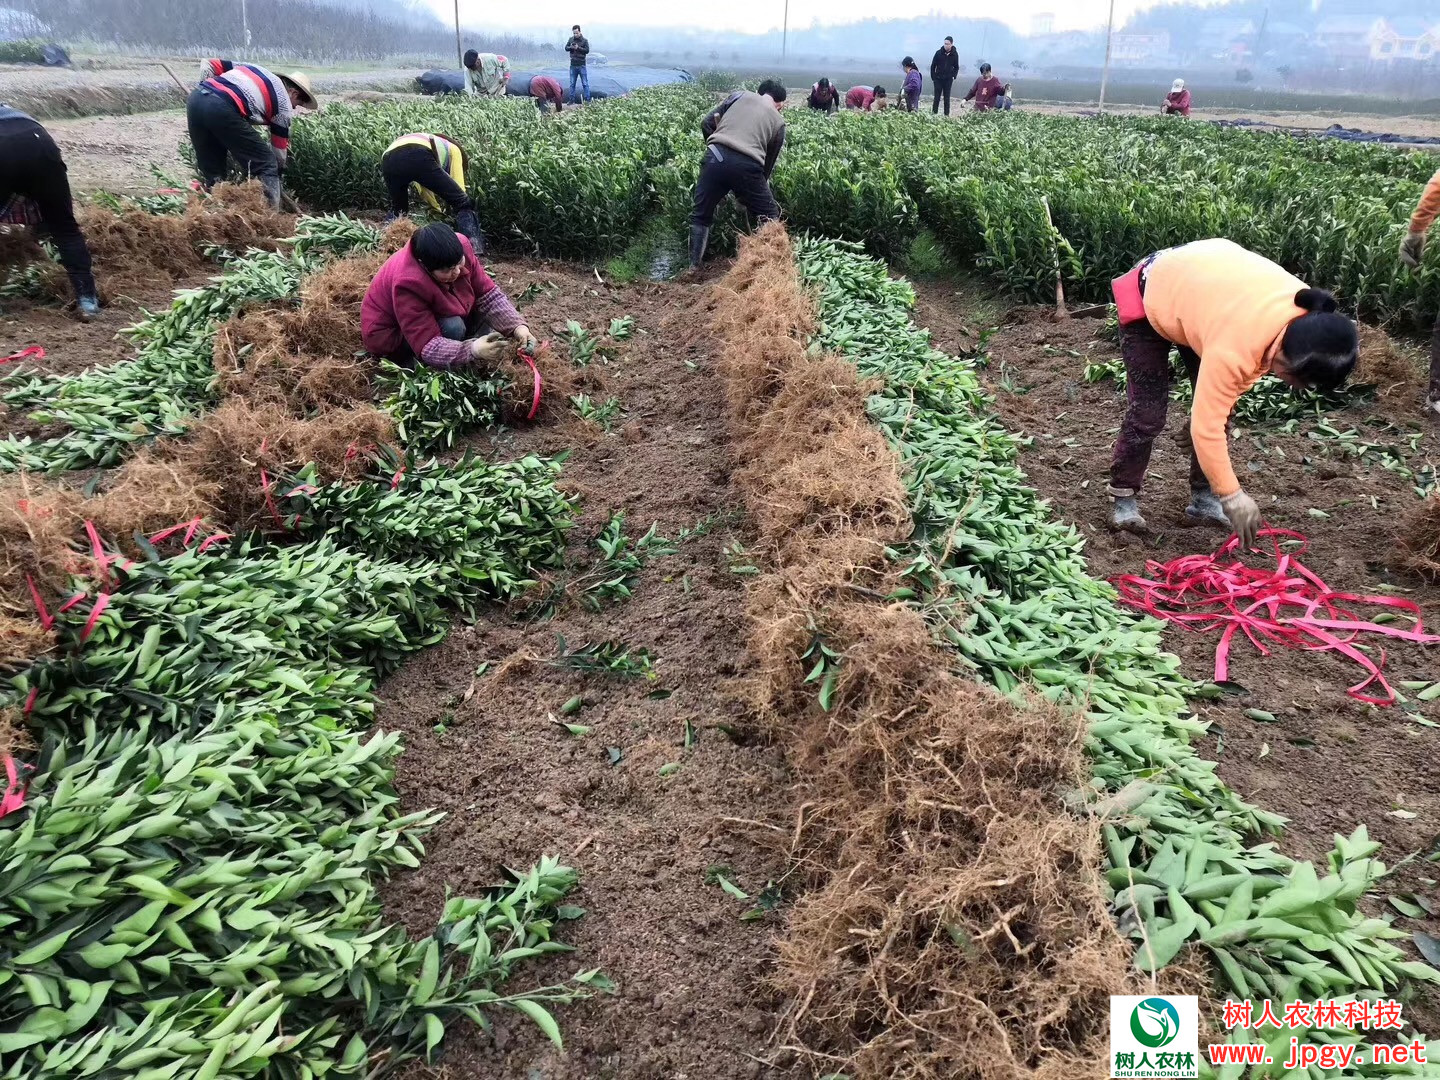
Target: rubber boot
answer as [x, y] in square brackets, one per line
[1432, 397]
[699, 239]
[1205, 508]
[467, 223]
[271, 184]
[1125, 515]
[87, 299]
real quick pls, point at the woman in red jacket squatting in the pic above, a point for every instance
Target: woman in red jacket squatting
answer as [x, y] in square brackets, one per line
[433, 301]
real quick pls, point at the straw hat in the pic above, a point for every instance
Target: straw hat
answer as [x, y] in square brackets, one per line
[300, 81]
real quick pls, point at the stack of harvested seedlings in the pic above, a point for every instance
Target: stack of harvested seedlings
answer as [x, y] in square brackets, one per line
[955, 923]
[239, 452]
[303, 358]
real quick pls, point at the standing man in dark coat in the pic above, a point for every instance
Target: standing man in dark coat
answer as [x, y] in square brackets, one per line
[579, 48]
[944, 70]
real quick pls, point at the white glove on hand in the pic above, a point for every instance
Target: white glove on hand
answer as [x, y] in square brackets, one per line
[524, 338]
[1244, 517]
[490, 348]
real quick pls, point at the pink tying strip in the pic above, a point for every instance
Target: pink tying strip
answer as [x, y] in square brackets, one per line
[1286, 606]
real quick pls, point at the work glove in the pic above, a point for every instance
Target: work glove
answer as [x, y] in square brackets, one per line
[1244, 517]
[524, 338]
[1412, 249]
[490, 348]
[282, 158]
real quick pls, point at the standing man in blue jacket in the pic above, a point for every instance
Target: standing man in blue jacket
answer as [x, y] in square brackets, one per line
[944, 70]
[579, 48]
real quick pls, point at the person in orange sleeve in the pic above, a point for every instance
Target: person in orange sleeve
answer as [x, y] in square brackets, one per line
[1412, 251]
[1234, 316]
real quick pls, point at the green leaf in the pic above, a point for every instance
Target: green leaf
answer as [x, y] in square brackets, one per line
[543, 1020]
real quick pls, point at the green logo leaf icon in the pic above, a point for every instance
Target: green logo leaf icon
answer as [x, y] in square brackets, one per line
[1154, 1023]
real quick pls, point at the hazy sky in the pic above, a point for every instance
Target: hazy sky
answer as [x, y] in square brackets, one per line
[761, 15]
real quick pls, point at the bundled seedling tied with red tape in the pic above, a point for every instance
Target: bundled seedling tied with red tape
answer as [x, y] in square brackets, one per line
[1284, 605]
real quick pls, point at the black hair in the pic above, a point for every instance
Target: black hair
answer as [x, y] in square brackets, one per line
[1322, 346]
[879, 91]
[908, 62]
[436, 247]
[470, 57]
[950, 39]
[984, 68]
[575, 27]
[824, 83]
[773, 89]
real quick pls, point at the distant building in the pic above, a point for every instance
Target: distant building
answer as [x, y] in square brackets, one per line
[1349, 38]
[1042, 24]
[1138, 50]
[1360, 39]
[1226, 39]
[1405, 38]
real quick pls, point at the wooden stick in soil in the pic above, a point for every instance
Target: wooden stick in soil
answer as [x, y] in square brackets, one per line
[1060, 312]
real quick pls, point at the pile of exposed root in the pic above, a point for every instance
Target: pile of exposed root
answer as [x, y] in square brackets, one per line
[1394, 371]
[1419, 541]
[954, 923]
[133, 249]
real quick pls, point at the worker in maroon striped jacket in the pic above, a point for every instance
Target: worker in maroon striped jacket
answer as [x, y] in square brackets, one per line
[223, 112]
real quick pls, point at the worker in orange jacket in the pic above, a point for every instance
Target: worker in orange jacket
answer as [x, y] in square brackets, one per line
[1235, 317]
[1412, 251]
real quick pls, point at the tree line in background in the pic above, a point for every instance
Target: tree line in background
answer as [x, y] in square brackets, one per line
[304, 29]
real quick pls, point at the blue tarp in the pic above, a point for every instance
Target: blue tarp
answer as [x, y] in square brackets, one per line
[1335, 131]
[611, 81]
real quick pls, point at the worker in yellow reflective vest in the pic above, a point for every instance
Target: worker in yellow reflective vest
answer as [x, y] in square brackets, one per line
[436, 168]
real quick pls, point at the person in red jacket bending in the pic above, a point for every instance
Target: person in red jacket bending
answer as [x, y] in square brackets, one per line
[433, 301]
[1177, 102]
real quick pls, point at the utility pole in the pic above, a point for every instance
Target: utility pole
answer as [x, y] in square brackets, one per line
[459, 51]
[785, 31]
[1105, 74]
[245, 23]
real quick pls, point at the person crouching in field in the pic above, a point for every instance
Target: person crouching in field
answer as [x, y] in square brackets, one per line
[433, 302]
[545, 90]
[1412, 251]
[914, 84]
[743, 140]
[436, 167]
[865, 99]
[1235, 316]
[224, 110]
[35, 193]
[1177, 102]
[823, 97]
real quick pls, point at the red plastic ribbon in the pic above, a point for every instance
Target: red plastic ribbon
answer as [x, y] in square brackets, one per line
[539, 383]
[34, 351]
[14, 797]
[1286, 605]
[46, 619]
[101, 603]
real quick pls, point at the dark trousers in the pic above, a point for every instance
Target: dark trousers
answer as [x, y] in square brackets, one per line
[406, 165]
[723, 171]
[217, 129]
[1147, 400]
[942, 89]
[31, 166]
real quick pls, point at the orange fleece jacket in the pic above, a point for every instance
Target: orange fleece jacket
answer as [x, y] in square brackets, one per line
[1232, 307]
[1429, 208]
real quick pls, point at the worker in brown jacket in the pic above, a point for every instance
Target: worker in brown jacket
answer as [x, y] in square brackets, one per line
[743, 140]
[1412, 251]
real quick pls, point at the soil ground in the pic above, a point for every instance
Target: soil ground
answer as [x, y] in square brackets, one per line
[72, 345]
[691, 999]
[1329, 763]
